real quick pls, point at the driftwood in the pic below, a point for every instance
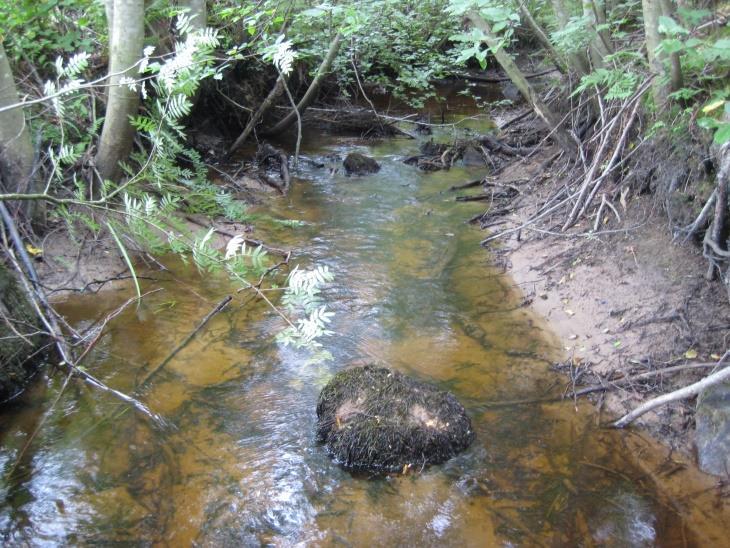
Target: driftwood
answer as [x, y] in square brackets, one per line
[357, 121]
[47, 315]
[269, 155]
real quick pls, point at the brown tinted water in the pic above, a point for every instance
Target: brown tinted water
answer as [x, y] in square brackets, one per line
[414, 291]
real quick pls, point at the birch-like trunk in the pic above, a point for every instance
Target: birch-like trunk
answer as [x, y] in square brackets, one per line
[126, 41]
[598, 49]
[561, 135]
[16, 149]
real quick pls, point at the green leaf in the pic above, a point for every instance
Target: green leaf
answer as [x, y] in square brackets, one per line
[670, 27]
[722, 135]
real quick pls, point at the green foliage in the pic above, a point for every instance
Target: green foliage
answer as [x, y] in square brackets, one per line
[303, 298]
[37, 31]
[575, 36]
[617, 83]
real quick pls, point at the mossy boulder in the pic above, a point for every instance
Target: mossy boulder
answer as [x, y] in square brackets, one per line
[376, 419]
[359, 164]
[15, 366]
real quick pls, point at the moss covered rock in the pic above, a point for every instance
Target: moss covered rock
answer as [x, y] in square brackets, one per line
[359, 164]
[15, 311]
[380, 420]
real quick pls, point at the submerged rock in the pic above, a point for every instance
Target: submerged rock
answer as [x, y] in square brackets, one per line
[713, 430]
[359, 164]
[380, 420]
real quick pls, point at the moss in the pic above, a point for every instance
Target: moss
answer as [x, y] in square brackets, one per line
[15, 367]
[380, 420]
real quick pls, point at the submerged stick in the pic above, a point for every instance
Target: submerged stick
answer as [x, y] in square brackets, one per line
[219, 307]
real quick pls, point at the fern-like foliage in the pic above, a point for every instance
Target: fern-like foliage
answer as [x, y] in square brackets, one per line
[303, 297]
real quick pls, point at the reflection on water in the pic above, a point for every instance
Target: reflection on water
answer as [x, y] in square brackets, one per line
[413, 290]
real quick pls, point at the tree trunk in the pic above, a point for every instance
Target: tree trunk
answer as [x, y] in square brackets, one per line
[561, 135]
[126, 41]
[598, 49]
[578, 60]
[652, 10]
[541, 36]
[676, 80]
[16, 149]
[311, 93]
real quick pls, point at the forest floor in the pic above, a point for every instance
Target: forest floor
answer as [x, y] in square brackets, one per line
[626, 302]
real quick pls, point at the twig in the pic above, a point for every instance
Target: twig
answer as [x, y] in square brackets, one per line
[612, 384]
[47, 315]
[148, 377]
[676, 395]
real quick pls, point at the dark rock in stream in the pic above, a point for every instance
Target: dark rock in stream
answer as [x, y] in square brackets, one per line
[713, 430]
[359, 164]
[375, 419]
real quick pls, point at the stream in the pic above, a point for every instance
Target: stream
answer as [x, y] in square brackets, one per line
[413, 290]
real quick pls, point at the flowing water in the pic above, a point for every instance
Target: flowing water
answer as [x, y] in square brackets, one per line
[413, 291]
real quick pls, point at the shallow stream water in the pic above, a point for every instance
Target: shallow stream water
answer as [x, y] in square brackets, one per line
[414, 291]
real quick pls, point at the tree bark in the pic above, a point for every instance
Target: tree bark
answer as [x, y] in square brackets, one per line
[17, 323]
[16, 149]
[652, 11]
[562, 136]
[541, 36]
[311, 93]
[598, 49]
[676, 79]
[126, 41]
[578, 60]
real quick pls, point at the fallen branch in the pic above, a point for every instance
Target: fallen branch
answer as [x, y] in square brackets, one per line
[676, 395]
[311, 92]
[612, 384]
[256, 116]
[500, 79]
[47, 315]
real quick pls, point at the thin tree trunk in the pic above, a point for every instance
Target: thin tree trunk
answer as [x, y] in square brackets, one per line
[311, 93]
[256, 116]
[126, 41]
[596, 48]
[676, 80]
[541, 36]
[562, 136]
[652, 11]
[16, 149]
[578, 60]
